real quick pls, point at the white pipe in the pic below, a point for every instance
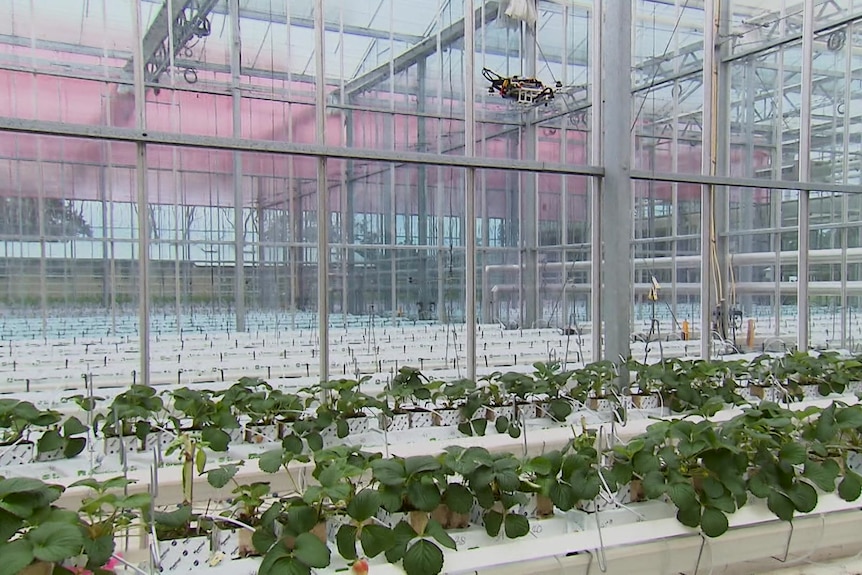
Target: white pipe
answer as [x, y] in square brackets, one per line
[815, 287]
[830, 256]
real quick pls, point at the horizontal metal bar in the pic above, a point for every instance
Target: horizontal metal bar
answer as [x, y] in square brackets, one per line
[273, 147]
[745, 182]
[790, 38]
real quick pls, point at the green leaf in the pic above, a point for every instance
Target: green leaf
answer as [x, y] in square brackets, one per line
[54, 542]
[342, 429]
[682, 494]
[559, 409]
[653, 484]
[644, 462]
[375, 539]
[292, 444]
[74, 446]
[850, 487]
[420, 464]
[758, 486]
[262, 540]
[514, 430]
[402, 534]
[792, 453]
[175, 519]
[458, 498]
[20, 485]
[516, 525]
[493, 522]
[73, 426]
[803, 496]
[315, 441]
[99, 550]
[50, 441]
[200, 460]
[823, 476]
[345, 541]
[562, 495]
[134, 501]
[781, 505]
[423, 558]
[712, 488]
[435, 530]
[117, 482]
[16, 556]
[689, 516]
[86, 482]
[217, 439]
[713, 522]
[479, 426]
[501, 424]
[9, 524]
[388, 472]
[270, 461]
[423, 496]
[301, 518]
[275, 560]
[364, 505]
[541, 465]
[311, 551]
[220, 477]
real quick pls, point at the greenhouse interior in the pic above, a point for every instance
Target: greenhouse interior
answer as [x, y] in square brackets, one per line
[502, 287]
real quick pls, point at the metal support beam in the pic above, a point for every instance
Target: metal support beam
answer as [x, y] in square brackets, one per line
[708, 166]
[596, 156]
[804, 172]
[481, 17]
[422, 195]
[721, 137]
[292, 148]
[470, 191]
[616, 206]
[531, 310]
[238, 216]
[142, 207]
[322, 196]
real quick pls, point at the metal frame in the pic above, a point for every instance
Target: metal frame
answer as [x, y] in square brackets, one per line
[692, 71]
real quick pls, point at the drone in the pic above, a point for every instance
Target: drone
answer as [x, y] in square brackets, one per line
[522, 91]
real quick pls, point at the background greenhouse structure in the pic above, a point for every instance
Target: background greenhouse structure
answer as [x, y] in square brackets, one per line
[314, 248]
[159, 168]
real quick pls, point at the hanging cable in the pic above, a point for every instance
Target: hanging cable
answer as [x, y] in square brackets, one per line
[664, 54]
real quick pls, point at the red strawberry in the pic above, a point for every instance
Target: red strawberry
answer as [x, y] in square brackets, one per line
[360, 567]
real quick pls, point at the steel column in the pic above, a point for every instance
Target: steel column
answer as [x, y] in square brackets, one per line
[596, 157]
[616, 208]
[804, 172]
[531, 309]
[239, 221]
[708, 167]
[470, 190]
[322, 195]
[143, 212]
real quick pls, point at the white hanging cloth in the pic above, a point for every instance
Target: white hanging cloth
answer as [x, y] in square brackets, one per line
[523, 10]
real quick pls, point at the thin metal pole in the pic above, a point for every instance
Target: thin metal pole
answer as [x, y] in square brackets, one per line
[804, 172]
[708, 166]
[531, 302]
[143, 220]
[596, 183]
[322, 193]
[470, 188]
[616, 212]
[239, 221]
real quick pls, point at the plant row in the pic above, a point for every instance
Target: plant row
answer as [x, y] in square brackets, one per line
[364, 505]
[253, 410]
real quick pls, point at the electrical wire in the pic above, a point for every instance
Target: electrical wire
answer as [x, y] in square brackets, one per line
[655, 72]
